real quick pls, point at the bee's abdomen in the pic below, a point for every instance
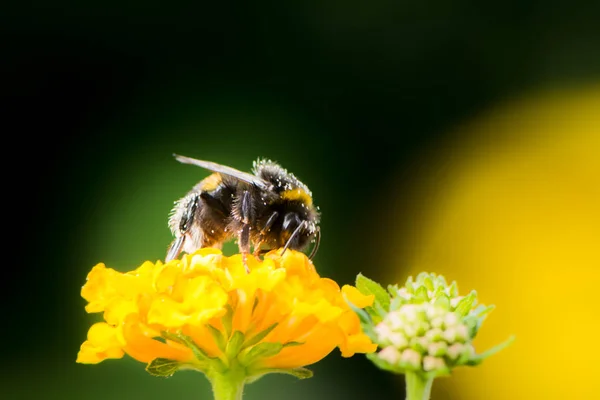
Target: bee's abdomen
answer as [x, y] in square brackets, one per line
[210, 183]
[216, 211]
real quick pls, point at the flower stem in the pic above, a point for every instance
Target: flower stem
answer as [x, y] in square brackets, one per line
[417, 387]
[228, 385]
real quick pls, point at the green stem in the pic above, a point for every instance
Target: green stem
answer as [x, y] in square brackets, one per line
[228, 385]
[417, 387]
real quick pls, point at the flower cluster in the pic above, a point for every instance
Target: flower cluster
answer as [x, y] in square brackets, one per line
[207, 312]
[424, 327]
[423, 337]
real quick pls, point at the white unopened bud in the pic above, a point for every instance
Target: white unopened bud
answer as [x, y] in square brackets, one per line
[411, 357]
[402, 292]
[394, 320]
[433, 311]
[434, 334]
[450, 319]
[449, 335]
[389, 354]
[433, 363]
[409, 312]
[455, 350]
[410, 330]
[398, 340]
[437, 349]
[420, 344]
[383, 331]
[437, 322]
[462, 333]
[455, 300]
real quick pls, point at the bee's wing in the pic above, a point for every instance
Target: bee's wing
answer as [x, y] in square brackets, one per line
[225, 170]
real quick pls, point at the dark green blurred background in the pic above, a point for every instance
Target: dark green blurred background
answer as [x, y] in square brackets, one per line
[350, 96]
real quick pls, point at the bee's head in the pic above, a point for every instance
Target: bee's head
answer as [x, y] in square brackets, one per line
[298, 231]
[295, 224]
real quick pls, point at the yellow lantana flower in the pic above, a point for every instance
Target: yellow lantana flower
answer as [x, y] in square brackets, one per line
[206, 311]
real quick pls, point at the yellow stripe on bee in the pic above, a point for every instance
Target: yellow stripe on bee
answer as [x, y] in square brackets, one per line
[297, 195]
[211, 182]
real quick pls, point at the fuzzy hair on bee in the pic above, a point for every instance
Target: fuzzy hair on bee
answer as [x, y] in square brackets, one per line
[264, 210]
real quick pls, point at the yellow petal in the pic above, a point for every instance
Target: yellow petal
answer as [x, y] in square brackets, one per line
[98, 288]
[168, 313]
[317, 345]
[359, 343]
[141, 345]
[188, 294]
[117, 310]
[356, 297]
[323, 310]
[102, 343]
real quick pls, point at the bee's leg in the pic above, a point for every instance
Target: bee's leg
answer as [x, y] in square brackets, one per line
[185, 223]
[175, 248]
[264, 231]
[244, 238]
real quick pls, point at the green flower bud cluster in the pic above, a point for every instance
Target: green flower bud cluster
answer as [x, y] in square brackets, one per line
[423, 337]
[423, 327]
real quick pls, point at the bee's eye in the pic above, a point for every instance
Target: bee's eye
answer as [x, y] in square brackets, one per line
[291, 221]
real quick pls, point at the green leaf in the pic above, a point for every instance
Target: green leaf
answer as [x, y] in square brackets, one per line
[363, 316]
[163, 367]
[189, 342]
[369, 287]
[396, 303]
[421, 295]
[453, 289]
[473, 324]
[410, 285]
[428, 282]
[235, 345]
[300, 373]
[480, 357]
[381, 303]
[481, 311]
[217, 335]
[366, 322]
[439, 290]
[227, 321]
[441, 281]
[475, 319]
[292, 344]
[261, 350]
[443, 301]
[466, 304]
[377, 313]
[175, 337]
[259, 336]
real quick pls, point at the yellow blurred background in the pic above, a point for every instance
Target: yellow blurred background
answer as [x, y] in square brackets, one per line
[515, 214]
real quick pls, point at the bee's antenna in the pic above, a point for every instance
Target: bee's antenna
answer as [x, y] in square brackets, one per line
[317, 241]
[294, 234]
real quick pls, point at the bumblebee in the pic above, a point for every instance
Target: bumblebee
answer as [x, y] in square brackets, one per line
[266, 209]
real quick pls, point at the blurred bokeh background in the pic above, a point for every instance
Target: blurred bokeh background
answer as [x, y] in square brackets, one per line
[460, 138]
